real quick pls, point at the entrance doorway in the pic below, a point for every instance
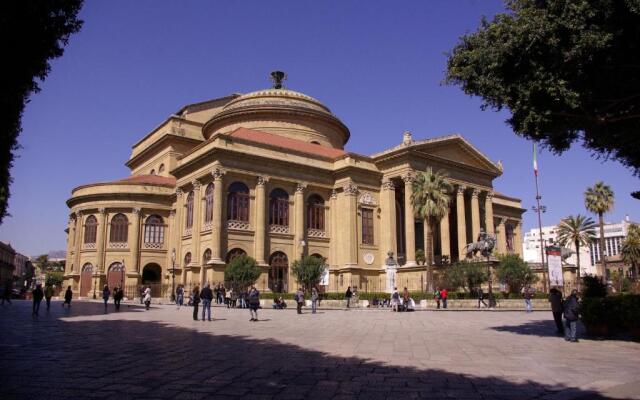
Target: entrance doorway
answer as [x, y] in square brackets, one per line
[115, 275]
[279, 272]
[85, 279]
[151, 277]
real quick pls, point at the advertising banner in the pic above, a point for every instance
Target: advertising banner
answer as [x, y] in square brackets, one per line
[554, 261]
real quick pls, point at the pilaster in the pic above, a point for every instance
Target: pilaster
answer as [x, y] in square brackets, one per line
[217, 225]
[409, 221]
[462, 223]
[101, 239]
[298, 229]
[502, 236]
[333, 244]
[445, 242]
[350, 193]
[388, 231]
[134, 240]
[78, 241]
[260, 224]
[488, 207]
[475, 215]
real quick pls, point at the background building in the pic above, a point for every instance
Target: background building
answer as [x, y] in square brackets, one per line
[266, 174]
[7, 262]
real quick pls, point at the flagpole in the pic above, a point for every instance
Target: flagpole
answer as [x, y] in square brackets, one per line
[540, 209]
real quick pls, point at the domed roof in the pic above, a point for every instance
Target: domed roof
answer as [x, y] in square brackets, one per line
[276, 98]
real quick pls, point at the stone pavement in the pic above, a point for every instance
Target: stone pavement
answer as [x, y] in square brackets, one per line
[162, 353]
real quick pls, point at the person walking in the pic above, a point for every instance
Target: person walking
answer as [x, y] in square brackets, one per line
[481, 298]
[405, 299]
[347, 296]
[436, 297]
[444, 293]
[528, 295]
[68, 295]
[8, 288]
[142, 292]
[118, 294]
[105, 295]
[555, 298]
[179, 296]
[254, 303]
[206, 295]
[395, 299]
[570, 307]
[299, 299]
[48, 294]
[314, 299]
[227, 297]
[147, 298]
[38, 294]
[195, 299]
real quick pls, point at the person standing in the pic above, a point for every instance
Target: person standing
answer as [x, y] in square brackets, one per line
[118, 294]
[436, 297]
[105, 295]
[570, 307]
[481, 298]
[299, 299]
[527, 298]
[68, 295]
[347, 296]
[48, 294]
[195, 299]
[179, 296]
[444, 293]
[254, 303]
[206, 295]
[555, 298]
[147, 298]
[395, 299]
[227, 298]
[6, 294]
[314, 299]
[405, 299]
[38, 294]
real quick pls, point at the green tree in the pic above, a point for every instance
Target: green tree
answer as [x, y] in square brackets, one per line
[308, 271]
[567, 70]
[475, 274]
[42, 263]
[54, 279]
[454, 277]
[34, 33]
[578, 231]
[599, 199]
[630, 250]
[516, 273]
[431, 196]
[241, 273]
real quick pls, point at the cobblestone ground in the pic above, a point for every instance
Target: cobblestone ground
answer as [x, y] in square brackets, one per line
[162, 353]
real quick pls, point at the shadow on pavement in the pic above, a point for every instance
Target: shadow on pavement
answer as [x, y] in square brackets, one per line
[56, 359]
[548, 328]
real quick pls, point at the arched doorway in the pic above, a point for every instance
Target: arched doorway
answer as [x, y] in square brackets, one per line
[278, 272]
[233, 253]
[115, 275]
[151, 277]
[85, 279]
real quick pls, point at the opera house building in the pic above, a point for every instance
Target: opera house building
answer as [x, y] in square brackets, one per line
[266, 174]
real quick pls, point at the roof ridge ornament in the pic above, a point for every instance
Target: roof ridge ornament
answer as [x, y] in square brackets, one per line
[407, 138]
[277, 77]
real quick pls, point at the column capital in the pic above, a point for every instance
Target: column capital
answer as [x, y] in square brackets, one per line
[503, 220]
[217, 174]
[102, 210]
[172, 213]
[262, 180]
[196, 184]
[489, 196]
[300, 187]
[179, 192]
[350, 189]
[460, 190]
[137, 211]
[78, 213]
[408, 178]
[334, 194]
[475, 192]
[388, 185]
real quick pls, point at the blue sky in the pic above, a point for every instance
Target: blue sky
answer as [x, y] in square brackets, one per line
[378, 65]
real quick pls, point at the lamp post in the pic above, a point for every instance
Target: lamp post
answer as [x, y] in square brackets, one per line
[173, 274]
[95, 282]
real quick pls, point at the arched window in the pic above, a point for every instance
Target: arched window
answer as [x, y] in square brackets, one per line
[187, 259]
[119, 229]
[189, 216]
[153, 172]
[233, 253]
[154, 229]
[206, 257]
[238, 202]
[208, 204]
[161, 168]
[315, 212]
[278, 207]
[90, 229]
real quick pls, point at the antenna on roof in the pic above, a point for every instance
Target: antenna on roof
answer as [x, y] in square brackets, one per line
[277, 77]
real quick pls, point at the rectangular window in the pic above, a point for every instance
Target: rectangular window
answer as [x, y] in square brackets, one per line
[367, 226]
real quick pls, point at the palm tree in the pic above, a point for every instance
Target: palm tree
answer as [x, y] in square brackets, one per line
[599, 199]
[631, 249]
[576, 230]
[431, 196]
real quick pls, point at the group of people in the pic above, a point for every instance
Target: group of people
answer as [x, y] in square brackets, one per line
[207, 295]
[117, 295]
[402, 302]
[567, 308]
[47, 293]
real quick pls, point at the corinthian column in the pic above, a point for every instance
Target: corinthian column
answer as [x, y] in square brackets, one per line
[135, 240]
[100, 238]
[350, 192]
[333, 244]
[260, 220]
[78, 240]
[216, 222]
[298, 229]
[388, 204]
[409, 222]
[502, 237]
[445, 243]
[475, 215]
[488, 207]
[462, 223]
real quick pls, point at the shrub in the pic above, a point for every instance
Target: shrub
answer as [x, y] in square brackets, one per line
[241, 273]
[618, 313]
[54, 278]
[593, 287]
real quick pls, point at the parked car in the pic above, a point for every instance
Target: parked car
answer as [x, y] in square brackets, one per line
[18, 294]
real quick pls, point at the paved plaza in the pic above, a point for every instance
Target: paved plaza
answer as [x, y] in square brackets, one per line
[374, 354]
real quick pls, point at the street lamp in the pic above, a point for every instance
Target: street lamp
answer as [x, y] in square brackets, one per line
[173, 274]
[95, 282]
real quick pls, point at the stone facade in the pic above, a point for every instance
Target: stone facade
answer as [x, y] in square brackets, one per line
[266, 174]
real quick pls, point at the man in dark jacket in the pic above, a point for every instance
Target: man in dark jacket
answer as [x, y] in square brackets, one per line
[481, 298]
[571, 316]
[38, 294]
[206, 295]
[555, 298]
[347, 296]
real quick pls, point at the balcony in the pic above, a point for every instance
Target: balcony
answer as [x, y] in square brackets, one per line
[279, 229]
[238, 225]
[316, 233]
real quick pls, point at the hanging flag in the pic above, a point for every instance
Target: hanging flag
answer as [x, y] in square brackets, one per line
[535, 160]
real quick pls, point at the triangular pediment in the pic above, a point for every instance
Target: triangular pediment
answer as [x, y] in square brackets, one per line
[458, 150]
